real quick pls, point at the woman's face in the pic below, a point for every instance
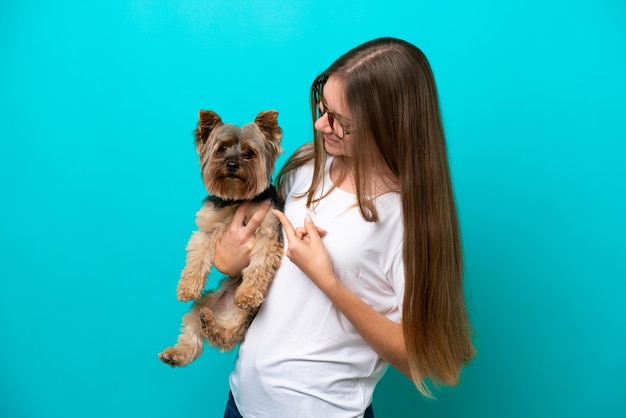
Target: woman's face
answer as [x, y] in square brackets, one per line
[336, 105]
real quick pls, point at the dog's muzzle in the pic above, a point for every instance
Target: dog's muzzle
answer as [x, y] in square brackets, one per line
[232, 167]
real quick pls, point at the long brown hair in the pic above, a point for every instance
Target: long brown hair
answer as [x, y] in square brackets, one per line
[391, 92]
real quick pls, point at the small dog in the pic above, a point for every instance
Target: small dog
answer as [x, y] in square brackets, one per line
[236, 166]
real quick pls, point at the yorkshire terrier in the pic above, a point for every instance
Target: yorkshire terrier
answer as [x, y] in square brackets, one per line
[236, 166]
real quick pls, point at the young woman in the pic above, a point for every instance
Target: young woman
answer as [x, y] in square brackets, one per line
[374, 275]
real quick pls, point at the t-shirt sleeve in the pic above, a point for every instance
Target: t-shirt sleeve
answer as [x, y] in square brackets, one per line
[396, 277]
[288, 183]
[298, 180]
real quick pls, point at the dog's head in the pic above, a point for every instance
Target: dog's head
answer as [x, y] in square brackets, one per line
[237, 163]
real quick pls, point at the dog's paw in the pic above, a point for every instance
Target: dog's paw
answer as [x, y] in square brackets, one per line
[187, 293]
[171, 357]
[190, 285]
[207, 321]
[249, 300]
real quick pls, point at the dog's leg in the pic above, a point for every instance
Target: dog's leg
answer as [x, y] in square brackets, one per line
[223, 324]
[224, 338]
[258, 275]
[190, 343]
[200, 253]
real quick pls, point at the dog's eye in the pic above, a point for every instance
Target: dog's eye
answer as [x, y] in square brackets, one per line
[249, 153]
[222, 148]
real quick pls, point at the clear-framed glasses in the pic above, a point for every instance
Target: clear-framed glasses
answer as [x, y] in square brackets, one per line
[339, 129]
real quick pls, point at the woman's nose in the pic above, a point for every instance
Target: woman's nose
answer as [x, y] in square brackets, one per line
[322, 125]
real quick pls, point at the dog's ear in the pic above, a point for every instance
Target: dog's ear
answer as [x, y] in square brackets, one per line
[207, 121]
[267, 121]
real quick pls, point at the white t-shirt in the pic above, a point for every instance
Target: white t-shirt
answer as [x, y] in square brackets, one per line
[301, 357]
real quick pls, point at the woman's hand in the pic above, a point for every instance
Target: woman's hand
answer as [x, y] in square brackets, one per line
[232, 251]
[306, 250]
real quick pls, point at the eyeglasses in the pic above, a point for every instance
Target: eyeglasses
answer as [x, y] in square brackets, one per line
[340, 130]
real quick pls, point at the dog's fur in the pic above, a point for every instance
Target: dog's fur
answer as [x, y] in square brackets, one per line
[236, 166]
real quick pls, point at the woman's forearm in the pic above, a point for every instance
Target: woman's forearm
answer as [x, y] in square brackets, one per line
[382, 334]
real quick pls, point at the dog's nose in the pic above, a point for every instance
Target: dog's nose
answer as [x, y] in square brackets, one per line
[232, 166]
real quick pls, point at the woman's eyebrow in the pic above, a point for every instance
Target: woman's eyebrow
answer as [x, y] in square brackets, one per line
[337, 114]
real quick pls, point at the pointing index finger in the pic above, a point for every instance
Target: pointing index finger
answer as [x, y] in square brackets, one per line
[289, 230]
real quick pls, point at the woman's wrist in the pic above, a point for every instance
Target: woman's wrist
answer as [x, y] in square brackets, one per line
[331, 286]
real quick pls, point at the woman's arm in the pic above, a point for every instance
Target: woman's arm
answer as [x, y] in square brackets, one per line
[306, 250]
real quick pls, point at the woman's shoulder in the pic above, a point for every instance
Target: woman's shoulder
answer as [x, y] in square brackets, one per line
[300, 177]
[298, 169]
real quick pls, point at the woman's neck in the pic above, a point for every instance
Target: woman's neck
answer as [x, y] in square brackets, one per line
[342, 176]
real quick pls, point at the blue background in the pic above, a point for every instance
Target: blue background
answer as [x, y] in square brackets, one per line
[100, 185]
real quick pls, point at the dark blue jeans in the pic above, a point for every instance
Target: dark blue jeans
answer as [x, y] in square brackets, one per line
[232, 411]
